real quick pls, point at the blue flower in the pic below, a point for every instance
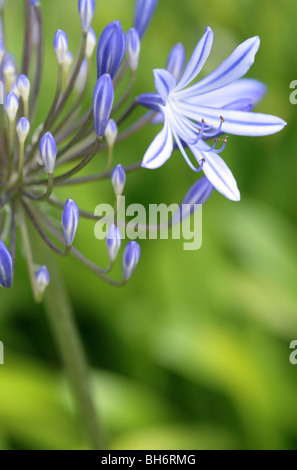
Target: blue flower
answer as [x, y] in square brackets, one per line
[6, 267]
[219, 103]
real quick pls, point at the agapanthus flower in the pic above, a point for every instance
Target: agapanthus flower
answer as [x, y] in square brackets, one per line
[37, 157]
[219, 103]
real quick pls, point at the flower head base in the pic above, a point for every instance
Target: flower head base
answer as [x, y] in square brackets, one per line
[86, 10]
[48, 152]
[113, 242]
[144, 11]
[102, 103]
[60, 45]
[111, 49]
[216, 104]
[70, 219]
[130, 259]
[6, 267]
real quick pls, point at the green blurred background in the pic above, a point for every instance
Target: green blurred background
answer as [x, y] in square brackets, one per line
[194, 352]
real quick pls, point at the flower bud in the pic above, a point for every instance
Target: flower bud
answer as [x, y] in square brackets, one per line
[176, 60]
[132, 48]
[91, 43]
[23, 85]
[23, 129]
[199, 193]
[42, 280]
[70, 218]
[118, 179]
[9, 67]
[2, 50]
[11, 105]
[111, 132]
[86, 10]
[130, 259]
[6, 267]
[14, 89]
[113, 241]
[144, 11]
[81, 78]
[111, 49]
[60, 45]
[102, 103]
[48, 151]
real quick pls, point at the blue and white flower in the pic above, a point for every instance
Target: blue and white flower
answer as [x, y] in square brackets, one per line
[219, 103]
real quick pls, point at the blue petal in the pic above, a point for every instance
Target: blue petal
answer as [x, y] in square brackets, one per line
[236, 122]
[160, 149]
[218, 173]
[150, 100]
[197, 60]
[164, 83]
[176, 60]
[245, 88]
[231, 69]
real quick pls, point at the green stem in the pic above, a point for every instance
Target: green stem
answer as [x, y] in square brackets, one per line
[66, 334]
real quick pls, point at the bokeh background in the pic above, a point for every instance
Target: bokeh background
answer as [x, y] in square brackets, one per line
[194, 352]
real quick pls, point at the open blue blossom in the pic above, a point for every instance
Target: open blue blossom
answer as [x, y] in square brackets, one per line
[219, 103]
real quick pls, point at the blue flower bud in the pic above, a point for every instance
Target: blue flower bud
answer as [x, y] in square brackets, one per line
[199, 193]
[60, 45]
[9, 67]
[42, 279]
[130, 259]
[23, 129]
[23, 85]
[111, 132]
[70, 219]
[6, 267]
[86, 10]
[113, 241]
[48, 151]
[176, 60]
[144, 11]
[91, 43]
[132, 48]
[2, 50]
[102, 103]
[111, 49]
[118, 179]
[11, 105]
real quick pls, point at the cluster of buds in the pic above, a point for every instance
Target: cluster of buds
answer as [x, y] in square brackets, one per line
[29, 151]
